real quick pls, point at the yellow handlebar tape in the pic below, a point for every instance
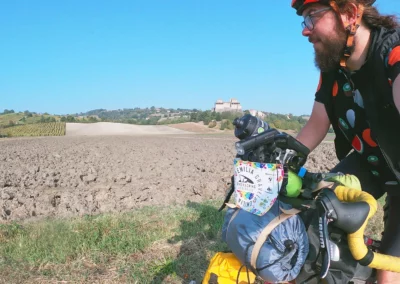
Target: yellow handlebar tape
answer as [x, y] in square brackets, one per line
[356, 243]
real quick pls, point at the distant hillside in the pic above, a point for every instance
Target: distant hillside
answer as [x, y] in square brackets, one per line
[151, 116]
[20, 118]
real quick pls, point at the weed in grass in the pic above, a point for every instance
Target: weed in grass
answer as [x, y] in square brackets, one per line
[197, 236]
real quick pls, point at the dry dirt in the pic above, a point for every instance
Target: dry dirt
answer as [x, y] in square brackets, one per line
[111, 128]
[76, 175]
[198, 127]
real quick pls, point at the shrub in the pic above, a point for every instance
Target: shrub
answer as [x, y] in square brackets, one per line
[226, 124]
[212, 124]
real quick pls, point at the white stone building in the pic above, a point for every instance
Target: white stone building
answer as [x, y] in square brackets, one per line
[233, 105]
[257, 113]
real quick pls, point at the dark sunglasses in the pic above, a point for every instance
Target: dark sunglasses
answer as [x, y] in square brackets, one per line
[308, 20]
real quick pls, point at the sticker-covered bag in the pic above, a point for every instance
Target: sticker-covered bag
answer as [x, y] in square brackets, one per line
[257, 185]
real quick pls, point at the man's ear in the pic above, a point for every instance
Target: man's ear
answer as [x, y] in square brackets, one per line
[349, 14]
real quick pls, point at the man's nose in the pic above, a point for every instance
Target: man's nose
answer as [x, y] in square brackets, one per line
[306, 32]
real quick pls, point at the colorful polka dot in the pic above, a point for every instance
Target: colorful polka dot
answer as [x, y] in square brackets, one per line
[357, 144]
[374, 160]
[375, 173]
[335, 89]
[394, 56]
[351, 117]
[347, 87]
[343, 123]
[366, 135]
[358, 99]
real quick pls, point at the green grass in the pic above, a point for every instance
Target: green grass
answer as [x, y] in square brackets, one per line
[16, 118]
[6, 118]
[152, 245]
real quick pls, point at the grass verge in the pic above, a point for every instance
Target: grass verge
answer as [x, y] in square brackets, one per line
[151, 245]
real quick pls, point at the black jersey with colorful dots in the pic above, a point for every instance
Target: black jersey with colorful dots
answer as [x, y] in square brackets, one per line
[344, 95]
[353, 122]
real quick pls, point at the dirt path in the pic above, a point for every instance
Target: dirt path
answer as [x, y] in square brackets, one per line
[111, 128]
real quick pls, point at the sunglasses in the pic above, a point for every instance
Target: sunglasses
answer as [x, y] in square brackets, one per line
[308, 20]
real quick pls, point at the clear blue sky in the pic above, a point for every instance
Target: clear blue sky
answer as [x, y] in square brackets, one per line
[73, 56]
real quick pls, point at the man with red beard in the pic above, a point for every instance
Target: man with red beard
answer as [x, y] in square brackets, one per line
[358, 52]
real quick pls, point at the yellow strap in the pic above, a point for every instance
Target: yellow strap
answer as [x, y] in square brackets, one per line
[267, 230]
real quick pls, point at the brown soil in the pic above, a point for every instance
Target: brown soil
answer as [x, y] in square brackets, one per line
[75, 175]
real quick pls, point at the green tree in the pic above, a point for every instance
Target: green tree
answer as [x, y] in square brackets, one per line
[193, 116]
[278, 123]
[70, 118]
[92, 119]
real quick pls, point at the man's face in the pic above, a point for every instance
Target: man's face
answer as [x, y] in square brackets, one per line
[327, 36]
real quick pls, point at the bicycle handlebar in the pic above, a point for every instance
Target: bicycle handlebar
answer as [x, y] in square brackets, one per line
[358, 249]
[356, 243]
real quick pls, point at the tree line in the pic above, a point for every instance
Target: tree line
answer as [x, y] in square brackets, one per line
[280, 121]
[161, 116]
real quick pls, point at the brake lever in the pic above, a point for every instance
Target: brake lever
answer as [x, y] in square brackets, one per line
[335, 252]
[329, 250]
[324, 241]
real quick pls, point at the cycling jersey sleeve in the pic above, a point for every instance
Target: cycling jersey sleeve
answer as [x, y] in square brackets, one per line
[322, 94]
[319, 95]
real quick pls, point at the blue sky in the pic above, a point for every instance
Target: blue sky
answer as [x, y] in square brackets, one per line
[74, 56]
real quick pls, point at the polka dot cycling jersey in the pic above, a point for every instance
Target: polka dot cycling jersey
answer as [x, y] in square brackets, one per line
[353, 123]
[361, 108]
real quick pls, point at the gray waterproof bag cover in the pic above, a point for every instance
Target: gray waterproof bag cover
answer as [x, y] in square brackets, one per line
[281, 255]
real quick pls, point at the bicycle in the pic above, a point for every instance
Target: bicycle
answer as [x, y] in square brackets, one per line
[344, 208]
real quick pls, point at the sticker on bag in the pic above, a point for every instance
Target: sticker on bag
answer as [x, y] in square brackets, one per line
[256, 185]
